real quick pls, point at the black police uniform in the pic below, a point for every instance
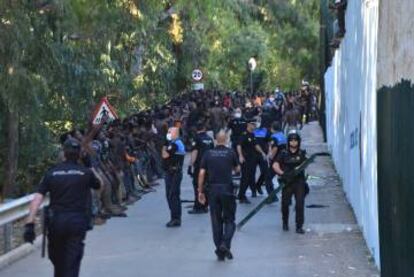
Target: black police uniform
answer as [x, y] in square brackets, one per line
[278, 140]
[267, 117]
[202, 144]
[263, 137]
[218, 164]
[173, 167]
[237, 127]
[296, 186]
[248, 145]
[277, 112]
[69, 185]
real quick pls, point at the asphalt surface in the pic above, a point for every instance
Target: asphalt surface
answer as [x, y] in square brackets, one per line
[140, 245]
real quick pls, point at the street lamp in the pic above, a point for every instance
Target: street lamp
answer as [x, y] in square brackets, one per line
[252, 67]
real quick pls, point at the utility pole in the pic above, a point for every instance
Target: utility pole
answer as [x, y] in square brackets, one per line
[252, 67]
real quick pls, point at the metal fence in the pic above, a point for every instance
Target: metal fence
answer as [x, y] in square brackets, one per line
[10, 213]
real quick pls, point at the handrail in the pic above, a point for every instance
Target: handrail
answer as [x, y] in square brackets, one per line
[16, 209]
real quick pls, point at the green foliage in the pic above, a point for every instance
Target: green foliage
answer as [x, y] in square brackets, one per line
[221, 36]
[59, 57]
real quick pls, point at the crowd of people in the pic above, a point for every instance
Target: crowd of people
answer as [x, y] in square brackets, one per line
[250, 132]
[125, 155]
[114, 163]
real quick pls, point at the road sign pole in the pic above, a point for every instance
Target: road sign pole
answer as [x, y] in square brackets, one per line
[252, 65]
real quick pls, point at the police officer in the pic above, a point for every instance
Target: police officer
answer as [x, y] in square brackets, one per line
[263, 137]
[279, 105]
[201, 144]
[218, 164]
[247, 149]
[173, 153]
[285, 163]
[237, 126]
[277, 145]
[69, 185]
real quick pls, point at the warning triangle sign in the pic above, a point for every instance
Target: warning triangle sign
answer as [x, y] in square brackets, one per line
[103, 111]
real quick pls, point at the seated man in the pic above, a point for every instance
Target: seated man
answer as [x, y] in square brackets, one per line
[340, 7]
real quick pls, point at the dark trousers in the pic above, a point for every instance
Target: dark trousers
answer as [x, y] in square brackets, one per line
[264, 171]
[222, 212]
[298, 190]
[197, 204]
[128, 181]
[66, 237]
[234, 142]
[269, 178]
[247, 176]
[173, 191]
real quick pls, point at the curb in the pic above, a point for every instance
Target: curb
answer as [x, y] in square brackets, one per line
[19, 253]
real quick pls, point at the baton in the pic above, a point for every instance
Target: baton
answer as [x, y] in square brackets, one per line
[187, 201]
[45, 225]
[282, 182]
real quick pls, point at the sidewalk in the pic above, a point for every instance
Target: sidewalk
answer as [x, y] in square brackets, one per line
[140, 245]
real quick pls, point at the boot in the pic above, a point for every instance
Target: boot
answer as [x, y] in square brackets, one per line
[173, 223]
[244, 200]
[300, 230]
[220, 255]
[227, 253]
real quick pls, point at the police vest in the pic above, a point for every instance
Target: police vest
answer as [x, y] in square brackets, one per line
[238, 126]
[260, 133]
[205, 143]
[180, 147]
[280, 138]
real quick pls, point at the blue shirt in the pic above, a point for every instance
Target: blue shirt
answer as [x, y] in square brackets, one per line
[278, 139]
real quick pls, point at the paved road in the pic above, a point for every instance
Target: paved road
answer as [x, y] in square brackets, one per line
[140, 245]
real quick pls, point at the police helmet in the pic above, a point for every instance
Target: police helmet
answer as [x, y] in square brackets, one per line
[294, 135]
[279, 96]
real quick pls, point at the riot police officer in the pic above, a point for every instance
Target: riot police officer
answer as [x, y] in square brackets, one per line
[218, 164]
[279, 105]
[173, 153]
[263, 137]
[69, 185]
[201, 144]
[247, 149]
[237, 126]
[288, 159]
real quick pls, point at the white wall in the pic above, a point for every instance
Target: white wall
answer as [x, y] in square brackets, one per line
[350, 86]
[396, 37]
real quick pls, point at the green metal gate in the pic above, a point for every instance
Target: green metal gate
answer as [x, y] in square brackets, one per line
[396, 179]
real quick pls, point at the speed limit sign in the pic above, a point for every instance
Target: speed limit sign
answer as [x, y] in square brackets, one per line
[197, 75]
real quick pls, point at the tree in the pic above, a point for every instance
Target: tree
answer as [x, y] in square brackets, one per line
[58, 58]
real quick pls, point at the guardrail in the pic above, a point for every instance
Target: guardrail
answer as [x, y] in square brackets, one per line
[11, 212]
